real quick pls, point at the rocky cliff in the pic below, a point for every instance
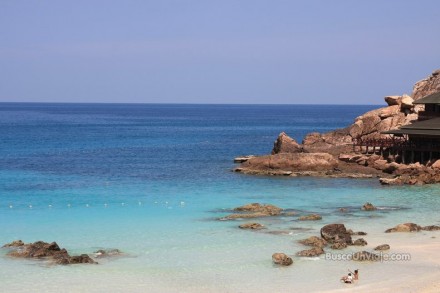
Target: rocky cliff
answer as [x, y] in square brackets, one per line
[331, 154]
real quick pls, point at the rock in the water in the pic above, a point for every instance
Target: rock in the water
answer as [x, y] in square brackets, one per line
[360, 242]
[244, 216]
[285, 144]
[406, 227]
[251, 226]
[315, 251]
[15, 243]
[312, 217]
[365, 256]
[314, 241]
[260, 208]
[368, 207]
[338, 245]
[431, 228]
[336, 233]
[50, 251]
[382, 247]
[282, 259]
[101, 253]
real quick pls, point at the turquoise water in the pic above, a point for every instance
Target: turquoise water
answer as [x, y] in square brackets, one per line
[152, 181]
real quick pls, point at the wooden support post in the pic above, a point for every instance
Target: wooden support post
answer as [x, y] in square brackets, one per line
[430, 156]
[421, 157]
[403, 157]
[412, 157]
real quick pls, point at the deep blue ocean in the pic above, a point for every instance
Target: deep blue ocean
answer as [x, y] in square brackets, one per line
[152, 180]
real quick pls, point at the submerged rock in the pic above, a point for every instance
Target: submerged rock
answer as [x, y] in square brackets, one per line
[315, 251]
[268, 209]
[406, 227]
[251, 226]
[281, 259]
[368, 206]
[382, 247]
[338, 245]
[312, 217]
[360, 242]
[101, 253]
[314, 241]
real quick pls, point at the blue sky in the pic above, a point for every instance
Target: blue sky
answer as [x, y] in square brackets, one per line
[333, 52]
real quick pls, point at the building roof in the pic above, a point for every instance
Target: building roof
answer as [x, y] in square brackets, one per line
[429, 127]
[430, 99]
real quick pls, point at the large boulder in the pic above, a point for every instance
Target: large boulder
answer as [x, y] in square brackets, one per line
[393, 100]
[336, 233]
[360, 242]
[406, 227]
[382, 247]
[291, 162]
[281, 259]
[407, 102]
[285, 144]
[368, 206]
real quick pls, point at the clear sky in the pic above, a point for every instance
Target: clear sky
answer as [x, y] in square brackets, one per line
[225, 51]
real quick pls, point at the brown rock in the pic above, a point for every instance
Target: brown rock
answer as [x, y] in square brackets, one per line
[436, 165]
[251, 226]
[406, 227]
[336, 233]
[431, 228]
[312, 217]
[360, 242]
[285, 144]
[389, 111]
[101, 253]
[314, 241]
[244, 216]
[407, 102]
[427, 86]
[382, 247]
[393, 100]
[315, 251]
[282, 259]
[261, 208]
[338, 245]
[368, 206]
[380, 164]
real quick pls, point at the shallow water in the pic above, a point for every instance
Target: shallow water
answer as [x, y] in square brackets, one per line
[153, 180]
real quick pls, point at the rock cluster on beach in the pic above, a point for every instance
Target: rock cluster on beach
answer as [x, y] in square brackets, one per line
[334, 236]
[331, 154]
[53, 253]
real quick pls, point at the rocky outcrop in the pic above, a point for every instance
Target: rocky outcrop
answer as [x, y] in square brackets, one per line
[281, 259]
[285, 144]
[336, 233]
[49, 251]
[406, 227]
[15, 243]
[312, 217]
[431, 228]
[331, 154]
[314, 241]
[315, 251]
[251, 226]
[427, 86]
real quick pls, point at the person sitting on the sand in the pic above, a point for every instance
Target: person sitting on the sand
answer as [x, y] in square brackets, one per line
[347, 279]
[356, 275]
